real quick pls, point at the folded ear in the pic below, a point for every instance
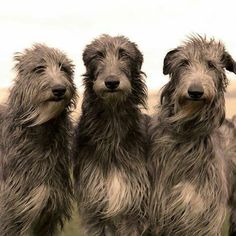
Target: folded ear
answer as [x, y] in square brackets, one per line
[168, 61]
[139, 58]
[136, 57]
[88, 54]
[229, 62]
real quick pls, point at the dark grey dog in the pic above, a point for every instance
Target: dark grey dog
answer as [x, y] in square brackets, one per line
[186, 163]
[36, 187]
[111, 180]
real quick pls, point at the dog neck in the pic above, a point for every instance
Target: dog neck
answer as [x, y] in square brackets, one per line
[103, 123]
[202, 123]
[45, 130]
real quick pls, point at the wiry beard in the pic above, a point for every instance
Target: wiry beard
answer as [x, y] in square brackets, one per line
[114, 98]
[191, 118]
[137, 95]
[43, 113]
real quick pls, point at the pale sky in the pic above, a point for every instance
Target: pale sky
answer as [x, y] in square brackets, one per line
[155, 25]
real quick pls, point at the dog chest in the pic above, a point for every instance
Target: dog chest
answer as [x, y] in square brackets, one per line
[186, 196]
[192, 206]
[119, 193]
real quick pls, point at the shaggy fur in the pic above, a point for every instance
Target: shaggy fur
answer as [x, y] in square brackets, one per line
[36, 185]
[111, 180]
[228, 133]
[187, 167]
[232, 201]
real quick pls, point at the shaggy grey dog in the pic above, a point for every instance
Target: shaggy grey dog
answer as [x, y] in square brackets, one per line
[36, 187]
[232, 201]
[111, 181]
[228, 133]
[189, 180]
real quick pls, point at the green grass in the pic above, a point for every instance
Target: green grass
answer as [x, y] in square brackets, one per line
[225, 228]
[71, 228]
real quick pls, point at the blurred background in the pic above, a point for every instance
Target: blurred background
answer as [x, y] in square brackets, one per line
[157, 26]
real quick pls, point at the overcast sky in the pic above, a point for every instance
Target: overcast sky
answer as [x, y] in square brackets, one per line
[155, 25]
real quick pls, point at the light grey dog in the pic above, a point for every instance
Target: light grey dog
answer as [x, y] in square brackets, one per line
[189, 173]
[111, 181]
[36, 187]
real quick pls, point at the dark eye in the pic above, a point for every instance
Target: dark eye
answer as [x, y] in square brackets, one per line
[211, 65]
[64, 69]
[122, 53]
[185, 62]
[100, 54]
[39, 69]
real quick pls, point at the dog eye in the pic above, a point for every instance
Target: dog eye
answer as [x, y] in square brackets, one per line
[39, 69]
[64, 69]
[99, 54]
[122, 53]
[210, 65]
[185, 62]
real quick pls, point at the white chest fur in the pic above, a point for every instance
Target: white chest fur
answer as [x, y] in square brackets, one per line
[188, 197]
[119, 193]
[35, 201]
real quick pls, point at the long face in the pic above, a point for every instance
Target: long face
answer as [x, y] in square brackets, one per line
[44, 85]
[198, 80]
[113, 67]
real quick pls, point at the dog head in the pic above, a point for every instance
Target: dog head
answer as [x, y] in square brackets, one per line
[197, 77]
[44, 85]
[113, 69]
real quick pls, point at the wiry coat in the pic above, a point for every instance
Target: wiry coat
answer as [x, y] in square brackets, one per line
[111, 180]
[228, 133]
[231, 151]
[188, 170]
[36, 187]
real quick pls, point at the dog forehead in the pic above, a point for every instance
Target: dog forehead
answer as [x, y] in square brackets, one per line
[108, 43]
[48, 55]
[201, 49]
[40, 56]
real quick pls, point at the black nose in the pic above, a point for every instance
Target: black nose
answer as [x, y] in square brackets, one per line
[58, 90]
[195, 91]
[112, 82]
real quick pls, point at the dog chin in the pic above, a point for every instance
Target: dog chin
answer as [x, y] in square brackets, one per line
[194, 103]
[185, 100]
[114, 97]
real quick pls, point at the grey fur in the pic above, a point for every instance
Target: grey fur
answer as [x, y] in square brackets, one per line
[111, 181]
[189, 180]
[231, 150]
[36, 187]
[228, 133]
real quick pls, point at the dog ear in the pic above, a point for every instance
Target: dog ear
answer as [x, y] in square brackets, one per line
[167, 61]
[139, 59]
[88, 55]
[229, 62]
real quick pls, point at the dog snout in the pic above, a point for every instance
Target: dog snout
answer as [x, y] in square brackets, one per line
[195, 91]
[58, 90]
[112, 82]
